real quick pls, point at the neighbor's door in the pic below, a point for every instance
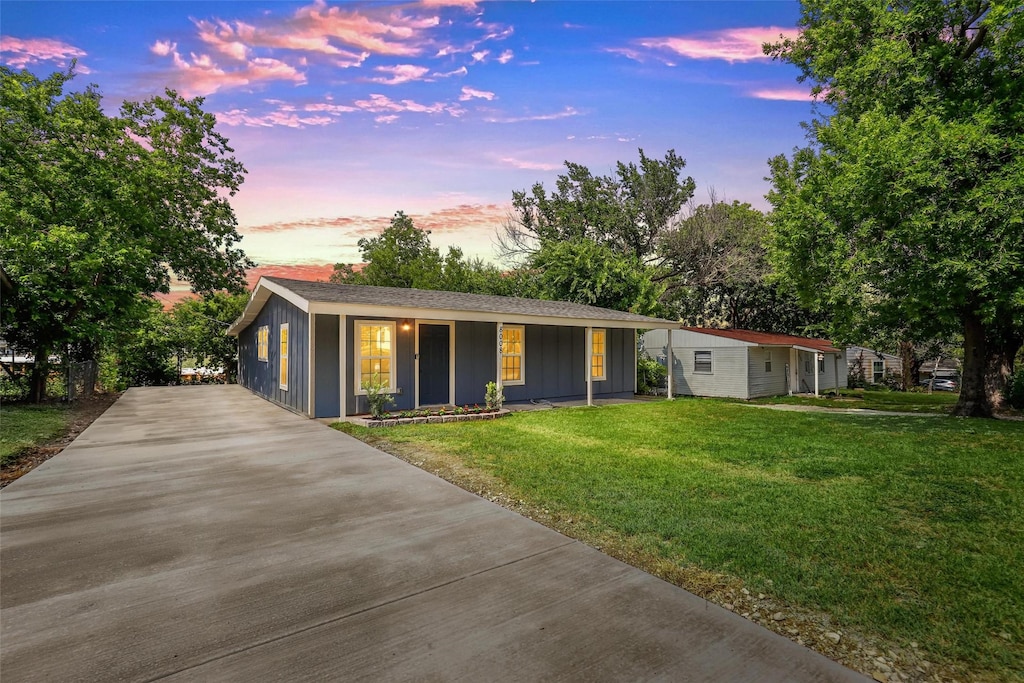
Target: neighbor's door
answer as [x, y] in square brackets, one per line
[435, 364]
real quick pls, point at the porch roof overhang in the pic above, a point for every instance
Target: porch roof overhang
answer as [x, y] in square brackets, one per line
[392, 302]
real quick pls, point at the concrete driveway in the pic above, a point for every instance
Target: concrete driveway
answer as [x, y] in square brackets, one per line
[201, 533]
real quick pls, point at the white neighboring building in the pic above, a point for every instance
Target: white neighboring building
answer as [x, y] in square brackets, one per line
[745, 364]
[874, 364]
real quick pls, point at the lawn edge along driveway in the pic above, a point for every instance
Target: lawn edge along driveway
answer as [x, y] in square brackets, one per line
[201, 533]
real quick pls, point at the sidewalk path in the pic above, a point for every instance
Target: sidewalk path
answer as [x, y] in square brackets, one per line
[201, 533]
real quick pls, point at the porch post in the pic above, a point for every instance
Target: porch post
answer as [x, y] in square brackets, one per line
[497, 378]
[835, 366]
[817, 375]
[668, 362]
[794, 371]
[588, 343]
[342, 365]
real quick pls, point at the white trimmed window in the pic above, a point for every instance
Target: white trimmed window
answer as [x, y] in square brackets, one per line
[375, 354]
[767, 361]
[702, 362]
[513, 350]
[821, 365]
[877, 371]
[283, 358]
[598, 355]
[807, 365]
[263, 343]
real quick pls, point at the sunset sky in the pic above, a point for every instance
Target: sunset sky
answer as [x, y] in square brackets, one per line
[344, 113]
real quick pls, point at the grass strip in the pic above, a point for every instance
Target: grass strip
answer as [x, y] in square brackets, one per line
[23, 426]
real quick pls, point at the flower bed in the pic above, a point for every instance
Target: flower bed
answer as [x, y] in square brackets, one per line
[432, 416]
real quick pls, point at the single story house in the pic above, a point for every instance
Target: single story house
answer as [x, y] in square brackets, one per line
[872, 364]
[745, 364]
[311, 347]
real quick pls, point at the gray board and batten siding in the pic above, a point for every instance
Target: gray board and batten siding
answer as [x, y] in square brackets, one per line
[263, 377]
[555, 363]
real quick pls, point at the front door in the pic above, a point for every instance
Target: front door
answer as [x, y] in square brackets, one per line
[434, 364]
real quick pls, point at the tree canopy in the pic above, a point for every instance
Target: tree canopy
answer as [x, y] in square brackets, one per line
[626, 212]
[716, 272]
[905, 208]
[402, 256]
[96, 210]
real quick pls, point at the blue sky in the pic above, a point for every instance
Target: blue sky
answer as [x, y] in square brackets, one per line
[344, 113]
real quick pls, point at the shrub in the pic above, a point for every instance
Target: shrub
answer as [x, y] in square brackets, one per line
[1014, 394]
[493, 396]
[377, 398]
[650, 375]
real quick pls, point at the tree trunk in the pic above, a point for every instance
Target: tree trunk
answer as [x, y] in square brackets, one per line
[1002, 351]
[908, 364]
[40, 373]
[974, 400]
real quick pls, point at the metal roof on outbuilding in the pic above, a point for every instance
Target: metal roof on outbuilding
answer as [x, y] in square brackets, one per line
[769, 339]
[328, 297]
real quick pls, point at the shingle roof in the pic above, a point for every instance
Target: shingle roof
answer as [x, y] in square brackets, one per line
[768, 339]
[394, 297]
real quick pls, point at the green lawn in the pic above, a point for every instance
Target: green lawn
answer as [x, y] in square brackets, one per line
[25, 425]
[909, 529]
[911, 401]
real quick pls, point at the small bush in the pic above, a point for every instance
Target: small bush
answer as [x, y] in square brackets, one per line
[1014, 394]
[650, 375]
[377, 398]
[493, 396]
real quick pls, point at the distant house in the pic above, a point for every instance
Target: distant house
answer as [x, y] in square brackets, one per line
[941, 368]
[311, 346]
[872, 365]
[745, 364]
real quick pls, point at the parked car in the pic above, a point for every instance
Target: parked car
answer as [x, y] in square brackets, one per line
[941, 384]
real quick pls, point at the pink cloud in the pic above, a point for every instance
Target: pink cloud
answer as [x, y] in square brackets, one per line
[461, 71]
[787, 94]
[481, 55]
[450, 220]
[506, 57]
[401, 73]
[731, 45]
[564, 114]
[19, 53]
[163, 48]
[221, 37]
[383, 104]
[396, 34]
[329, 108]
[202, 76]
[465, 4]
[287, 119]
[389, 118]
[529, 165]
[238, 40]
[472, 93]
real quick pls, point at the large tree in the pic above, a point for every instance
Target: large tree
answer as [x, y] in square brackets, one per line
[96, 211]
[200, 323]
[716, 270]
[585, 272]
[906, 207]
[627, 211]
[402, 256]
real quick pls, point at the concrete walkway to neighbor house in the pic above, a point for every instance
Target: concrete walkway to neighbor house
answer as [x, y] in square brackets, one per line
[201, 533]
[797, 408]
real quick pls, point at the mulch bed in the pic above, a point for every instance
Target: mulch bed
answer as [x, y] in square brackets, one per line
[84, 412]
